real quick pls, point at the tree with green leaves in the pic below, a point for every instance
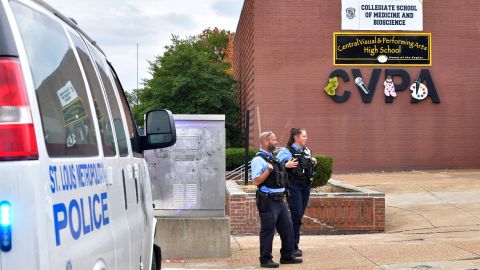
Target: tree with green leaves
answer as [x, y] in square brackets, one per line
[191, 77]
[133, 97]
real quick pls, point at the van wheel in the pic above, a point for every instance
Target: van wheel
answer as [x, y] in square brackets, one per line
[157, 258]
[154, 262]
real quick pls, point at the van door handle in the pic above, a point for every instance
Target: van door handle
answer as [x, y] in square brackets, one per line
[124, 189]
[136, 176]
[136, 189]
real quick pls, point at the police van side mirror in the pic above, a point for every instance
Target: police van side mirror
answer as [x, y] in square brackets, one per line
[159, 130]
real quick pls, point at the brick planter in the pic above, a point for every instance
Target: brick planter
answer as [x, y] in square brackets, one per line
[358, 211]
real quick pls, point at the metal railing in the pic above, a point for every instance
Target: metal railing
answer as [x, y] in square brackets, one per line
[239, 173]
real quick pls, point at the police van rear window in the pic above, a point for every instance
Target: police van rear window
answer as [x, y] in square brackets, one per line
[61, 92]
[103, 118]
[113, 102]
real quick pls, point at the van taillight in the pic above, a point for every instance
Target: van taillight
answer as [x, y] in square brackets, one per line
[17, 135]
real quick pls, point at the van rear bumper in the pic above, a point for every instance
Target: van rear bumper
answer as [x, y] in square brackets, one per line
[23, 187]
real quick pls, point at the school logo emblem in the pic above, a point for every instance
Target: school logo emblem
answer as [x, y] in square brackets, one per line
[350, 12]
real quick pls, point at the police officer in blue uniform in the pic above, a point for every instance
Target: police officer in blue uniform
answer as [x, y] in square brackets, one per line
[270, 177]
[299, 179]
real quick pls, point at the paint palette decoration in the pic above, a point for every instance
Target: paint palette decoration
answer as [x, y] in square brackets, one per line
[419, 90]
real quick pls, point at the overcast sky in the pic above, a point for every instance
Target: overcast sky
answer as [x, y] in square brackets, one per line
[117, 26]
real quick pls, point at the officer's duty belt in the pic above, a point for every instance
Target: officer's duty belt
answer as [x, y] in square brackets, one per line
[278, 196]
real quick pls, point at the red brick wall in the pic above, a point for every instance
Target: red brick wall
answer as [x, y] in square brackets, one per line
[344, 214]
[323, 215]
[243, 63]
[243, 214]
[288, 64]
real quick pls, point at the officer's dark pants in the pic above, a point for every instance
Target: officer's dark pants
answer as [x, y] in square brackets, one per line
[274, 214]
[297, 202]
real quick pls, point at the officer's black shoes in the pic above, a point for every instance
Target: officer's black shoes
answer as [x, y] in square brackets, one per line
[297, 253]
[272, 264]
[269, 264]
[291, 260]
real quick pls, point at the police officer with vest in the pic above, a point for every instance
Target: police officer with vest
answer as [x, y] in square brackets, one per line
[270, 177]
[299, 179]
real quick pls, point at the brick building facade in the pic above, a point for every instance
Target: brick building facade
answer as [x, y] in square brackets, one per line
[283, 59]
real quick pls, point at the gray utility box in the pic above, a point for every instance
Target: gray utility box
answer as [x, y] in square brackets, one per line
[188, 179]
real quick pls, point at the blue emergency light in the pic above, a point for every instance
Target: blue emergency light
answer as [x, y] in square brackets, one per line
[5, 226]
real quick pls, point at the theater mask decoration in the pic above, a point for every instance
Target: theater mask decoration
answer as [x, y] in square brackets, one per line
[332, 86]
[389, 87]
[419, 90]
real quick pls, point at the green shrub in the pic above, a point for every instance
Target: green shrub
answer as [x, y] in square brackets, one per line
[323, 170]
[235, 157]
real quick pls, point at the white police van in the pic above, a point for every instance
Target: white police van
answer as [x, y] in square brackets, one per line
[74, 189]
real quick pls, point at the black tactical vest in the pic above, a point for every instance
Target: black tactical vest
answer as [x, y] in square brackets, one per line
[304, 171]
[278, 177]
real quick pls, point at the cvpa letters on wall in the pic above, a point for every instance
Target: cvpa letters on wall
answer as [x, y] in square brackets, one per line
[394, 81]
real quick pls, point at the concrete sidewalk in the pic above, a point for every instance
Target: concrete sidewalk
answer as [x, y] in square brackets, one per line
[432, 222]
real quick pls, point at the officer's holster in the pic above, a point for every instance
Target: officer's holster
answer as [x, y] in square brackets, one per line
[262, 201]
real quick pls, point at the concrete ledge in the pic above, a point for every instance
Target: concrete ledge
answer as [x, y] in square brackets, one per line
[193, 238]
[233, 189]
[353, 191]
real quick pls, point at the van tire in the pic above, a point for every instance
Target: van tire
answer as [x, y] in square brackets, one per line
[157, 257]
[154, 262]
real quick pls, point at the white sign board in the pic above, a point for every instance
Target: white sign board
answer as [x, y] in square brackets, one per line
[406, 15]
[67, 94]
